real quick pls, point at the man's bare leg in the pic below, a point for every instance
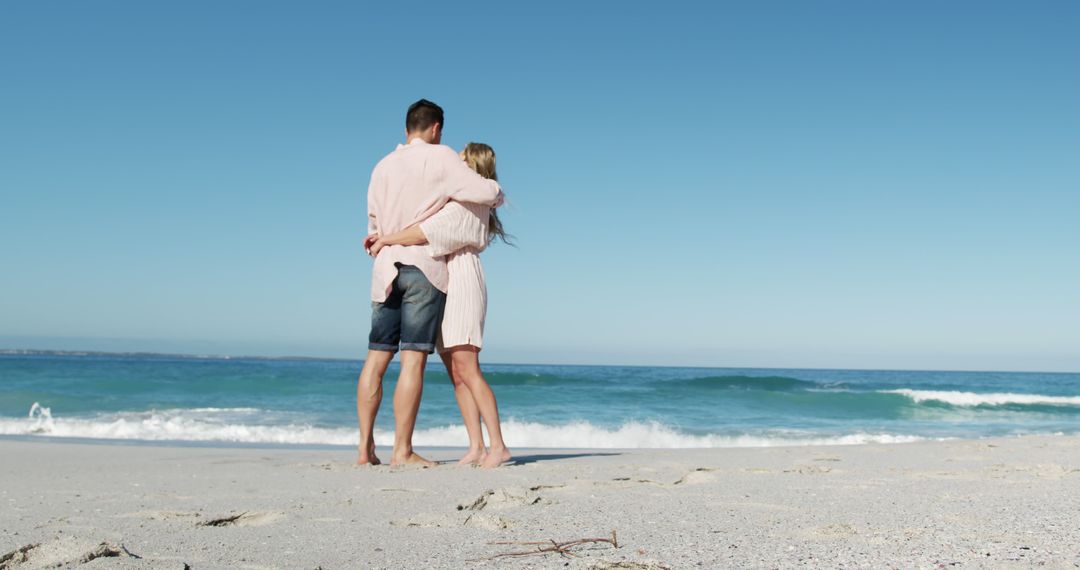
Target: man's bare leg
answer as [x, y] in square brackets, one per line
[470, 415]
[410, 387]
[368, 397]
[467, 366]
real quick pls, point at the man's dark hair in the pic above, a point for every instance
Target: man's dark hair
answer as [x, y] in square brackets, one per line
[422, 114]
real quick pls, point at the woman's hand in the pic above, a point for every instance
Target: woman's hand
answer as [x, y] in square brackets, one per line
[409, 236]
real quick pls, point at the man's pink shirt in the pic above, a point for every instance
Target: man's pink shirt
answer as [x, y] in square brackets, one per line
[409, 186]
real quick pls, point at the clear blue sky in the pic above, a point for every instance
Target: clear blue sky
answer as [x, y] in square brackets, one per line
[820, 184]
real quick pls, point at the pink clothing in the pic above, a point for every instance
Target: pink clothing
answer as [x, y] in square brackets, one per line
[460, 232]
[408, 186]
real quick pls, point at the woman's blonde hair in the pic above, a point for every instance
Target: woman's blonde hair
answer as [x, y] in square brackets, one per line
[481, 158]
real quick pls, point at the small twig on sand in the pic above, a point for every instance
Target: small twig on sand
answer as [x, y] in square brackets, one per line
[223, 521]
[548, 546]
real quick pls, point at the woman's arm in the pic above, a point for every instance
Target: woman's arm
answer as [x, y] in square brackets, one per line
[453, 228]
[412, 235]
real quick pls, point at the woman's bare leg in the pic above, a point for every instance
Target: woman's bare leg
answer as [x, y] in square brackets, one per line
[466, 364]
[470, 415]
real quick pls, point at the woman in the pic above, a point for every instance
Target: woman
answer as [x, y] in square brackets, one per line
[460, 231]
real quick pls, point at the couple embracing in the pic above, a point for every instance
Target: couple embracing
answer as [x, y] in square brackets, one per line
[431, 211]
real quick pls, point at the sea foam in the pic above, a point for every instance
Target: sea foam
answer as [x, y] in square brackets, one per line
[644, 435]
[197, 424]
[969, 399]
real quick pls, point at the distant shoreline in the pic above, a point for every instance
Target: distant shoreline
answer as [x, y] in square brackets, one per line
[40, 352]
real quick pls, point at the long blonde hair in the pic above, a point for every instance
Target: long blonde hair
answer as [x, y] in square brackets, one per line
[481, 158]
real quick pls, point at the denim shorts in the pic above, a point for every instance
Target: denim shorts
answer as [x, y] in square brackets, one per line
[410, 317]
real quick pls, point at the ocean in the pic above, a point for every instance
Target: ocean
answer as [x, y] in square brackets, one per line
[228, 401]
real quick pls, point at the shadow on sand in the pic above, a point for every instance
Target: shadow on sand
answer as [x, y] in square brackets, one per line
[535, 458]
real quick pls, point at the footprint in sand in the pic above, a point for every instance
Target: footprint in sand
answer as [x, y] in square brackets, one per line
[470, 510]
[697, 476]
[504, 498]
[18, 556]
[64, 551]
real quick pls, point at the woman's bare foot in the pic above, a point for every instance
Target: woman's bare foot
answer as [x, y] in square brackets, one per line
[410, 459]
[473, 457]
[495, 458]
[367, 457]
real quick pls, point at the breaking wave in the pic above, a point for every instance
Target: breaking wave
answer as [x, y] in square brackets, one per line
[239, 425]
[971, 399]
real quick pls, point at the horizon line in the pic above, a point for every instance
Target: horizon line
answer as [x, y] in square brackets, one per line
[190, 356]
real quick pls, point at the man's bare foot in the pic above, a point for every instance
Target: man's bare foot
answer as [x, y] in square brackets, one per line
[495, 458]
[473, 456]
[410, 459]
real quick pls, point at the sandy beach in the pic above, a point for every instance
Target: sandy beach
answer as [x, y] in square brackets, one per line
[986, 503]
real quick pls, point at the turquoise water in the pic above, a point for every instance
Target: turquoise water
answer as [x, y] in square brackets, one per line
[168, 398]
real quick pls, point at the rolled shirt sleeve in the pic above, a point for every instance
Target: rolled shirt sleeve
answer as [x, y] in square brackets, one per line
[372, 203]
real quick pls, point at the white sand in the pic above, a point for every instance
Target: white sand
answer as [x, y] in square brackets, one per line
[988, 503]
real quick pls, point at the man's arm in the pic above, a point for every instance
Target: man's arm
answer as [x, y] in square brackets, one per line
[463, 184]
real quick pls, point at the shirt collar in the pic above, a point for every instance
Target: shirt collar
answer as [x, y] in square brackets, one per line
[417, 140]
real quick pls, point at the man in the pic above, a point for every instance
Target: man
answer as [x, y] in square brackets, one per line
[408, 287]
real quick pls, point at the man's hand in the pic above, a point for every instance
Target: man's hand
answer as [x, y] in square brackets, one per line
[369, 242]
[376, 247]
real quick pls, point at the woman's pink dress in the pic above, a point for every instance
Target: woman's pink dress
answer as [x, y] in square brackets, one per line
[460, 232]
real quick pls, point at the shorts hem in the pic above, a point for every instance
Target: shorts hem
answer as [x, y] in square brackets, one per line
[382, 347]
[419, 346]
